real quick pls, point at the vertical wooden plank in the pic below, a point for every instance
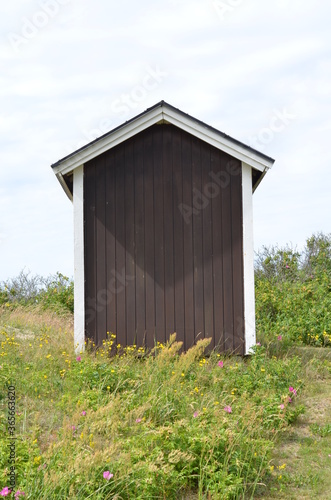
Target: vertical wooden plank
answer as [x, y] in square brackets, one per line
[210, 191]
[227, 259]
[130, 289]
[100, 218]
[159, 235]
[199, 205]
[168, 232]
[120, 270]
[149, 235]
[140, 240]
[90, 251]
[187, 210]
[178, 236]
[237, 270]
[217, 231]
[111, 241]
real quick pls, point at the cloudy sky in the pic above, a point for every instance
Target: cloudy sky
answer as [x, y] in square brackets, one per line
[73, 69]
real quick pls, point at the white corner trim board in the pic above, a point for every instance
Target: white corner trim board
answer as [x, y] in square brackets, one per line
[79, 292]
[248, 258]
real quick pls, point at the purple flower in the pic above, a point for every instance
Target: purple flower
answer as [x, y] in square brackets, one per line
[279, 337]
[5, 492]
[258, 343]
[287, 266]
[78, 358]
[228, 409]
[294, 391]
[83, 413]
[107, 475]
[221, 364]
[281, 407]
[195, 414]
[138, 420]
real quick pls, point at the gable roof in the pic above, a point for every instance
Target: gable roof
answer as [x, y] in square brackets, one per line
[162, 112]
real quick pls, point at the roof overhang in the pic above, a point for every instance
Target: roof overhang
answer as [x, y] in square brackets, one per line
[162, 113]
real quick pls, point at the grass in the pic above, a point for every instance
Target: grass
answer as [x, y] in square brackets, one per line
[165, 424]
[306, 446]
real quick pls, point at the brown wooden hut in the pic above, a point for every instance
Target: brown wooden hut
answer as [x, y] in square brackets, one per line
[164, 232]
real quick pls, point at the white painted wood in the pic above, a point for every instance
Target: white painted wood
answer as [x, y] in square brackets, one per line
[172, 116]
[79, 299]
[64, 185]
[248, 258]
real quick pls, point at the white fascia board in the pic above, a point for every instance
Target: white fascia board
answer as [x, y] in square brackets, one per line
[110, 141]
[248, 258]
[217, 140]
[79, 287]
[163, 113]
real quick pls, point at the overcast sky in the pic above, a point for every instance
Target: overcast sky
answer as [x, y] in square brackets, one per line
[73, 69]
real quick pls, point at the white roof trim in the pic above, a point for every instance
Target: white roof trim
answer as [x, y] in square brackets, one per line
[152, 117]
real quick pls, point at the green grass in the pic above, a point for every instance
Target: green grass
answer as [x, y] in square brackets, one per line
[157, 422]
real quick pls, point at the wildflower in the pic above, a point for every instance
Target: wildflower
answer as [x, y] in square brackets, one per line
[138, 420]
[78, 358]
[287, 266]
[19, 493]
[262, 369]
[294, 391]
[220, 363]
[281, 407]
[195, 414]
[107, 475]
[5, 492]
[289, 399]
[258, 343]
[73, 428]
[83, 413]
[279, 337]
[228, 409]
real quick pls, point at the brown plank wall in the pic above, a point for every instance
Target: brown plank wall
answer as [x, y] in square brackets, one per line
[160, 258]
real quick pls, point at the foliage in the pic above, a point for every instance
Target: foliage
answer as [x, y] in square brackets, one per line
[293, 293]
[158, 425]
[54, 292]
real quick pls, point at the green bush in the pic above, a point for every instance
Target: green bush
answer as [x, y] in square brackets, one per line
[293, 293]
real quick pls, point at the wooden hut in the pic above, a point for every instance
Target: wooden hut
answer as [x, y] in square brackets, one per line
[163, 232]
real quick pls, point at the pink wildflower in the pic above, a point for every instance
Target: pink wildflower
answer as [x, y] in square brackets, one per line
[78, 358]
[289, 399]
[107, 475]
[83, 413]
[258, 343]
[281, 407]
[19, 493]
[5, 492]
[279, 337]
[228, 409]
[221, 364]
[287, 266]
[138, 420]
[294, 391]
[195, 414]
